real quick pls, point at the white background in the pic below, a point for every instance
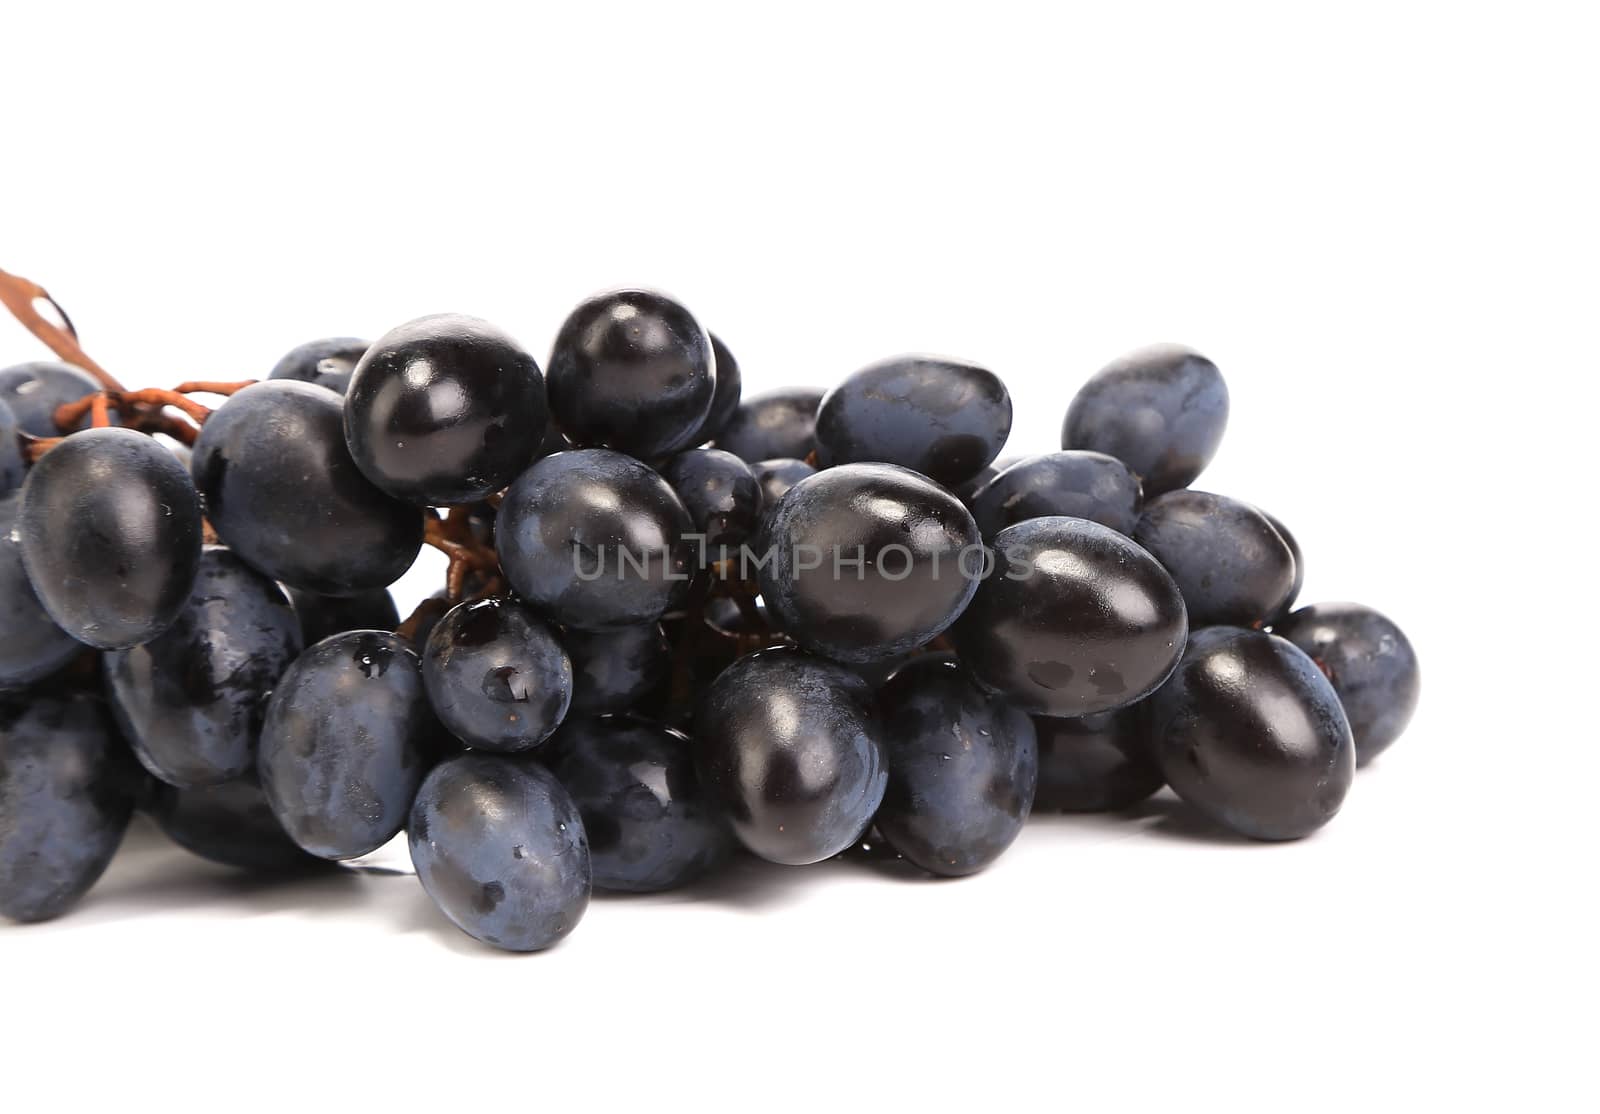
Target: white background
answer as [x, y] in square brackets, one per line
[1380, 221]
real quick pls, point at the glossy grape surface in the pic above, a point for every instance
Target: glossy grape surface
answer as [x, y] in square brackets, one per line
[1073, 619]
[1073, 483]
[721, 494]
[776, 477]
[1251, 734]
[499, 846]
[725, 398]
[326, 363]
[444, 410]
[1299, 568]
[322, 616]
[496, 675]
[231, 824]
[613, 670]
[34, 391]
[66, 792]
[773, 426]
[650, 824]
[1096, 763]
[110, 530]
[346, 741]
[595, 539]
[918, 552]
[1370, 663]
[283, 493]
[1230, 563]
[963, 765]
[191, 701]
[634, 371]
[1161, 410]
[31, 645]
[791, 748]
[946, 419]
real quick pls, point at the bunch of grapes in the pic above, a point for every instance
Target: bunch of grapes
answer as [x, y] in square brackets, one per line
[676, 626]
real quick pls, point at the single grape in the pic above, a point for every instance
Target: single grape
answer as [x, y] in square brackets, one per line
[191, 700]
[650, 824]
[1299, 571]
[1095, 763]
[1231, 564]
[324, 616]
[1073, 619]
[595, 539]
[326, 363]
[444, 410]
[791, 748]
[1073, 483]
[776, 477]
[231, 824]
[67, 788]
[282, 493]
[865, 561]
[773, 426]
[725, 398]
[1252, 735]
[613, 670]
[722, 497]
[31, 645]
[943, 418]
[12, 467]
[346, 741]
[963, 765]
[1160, 409]
[110, 530]
[634, 371]
[1369, 662]
[34, 391]
[496, 676]
[500, 848]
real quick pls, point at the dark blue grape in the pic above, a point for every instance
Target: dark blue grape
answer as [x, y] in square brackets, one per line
[595, 539]
[1370, 663]
[444, 410]
[67, 789]
[1230, 563]
[323, 616]
[725, 398]
[1299, 569]
[12, 467]
[943, 418]
[773, 426]
[613, 670]
[1076, 484]
[191, 700]
[34, 391]
[326, 363]
[231, 824]
[865, 561]
[962, 768]
[1073, 619]
[1160, 409]
[1097, 763]
[650, 824]
[776, 477]
[283, 493]
[722, 497]
[1249, 733]
[31, 645]
[110, 530]
[500, 848]
[634, 371]
[791, 749]
[346, 742]
[496, 676]
[986, 475]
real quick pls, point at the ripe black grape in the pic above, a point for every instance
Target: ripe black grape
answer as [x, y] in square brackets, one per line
[31, 645]
[725, 398]
[1072, 483]
[865, 561]
[283, 493]
[634, 371]
[191, 700]
[773, 426]
[110, 530]
[613, 670]
[1160, 409]
[1299, 568]
[1095, 763]
[443, 410]
[12, 467]
[776, 477]
[1073, 619]
[34, 391]
[327, 363]
[721, 494]
[791, 748]
[231, 824]
[322, 616]
[943, 418]
[1230, 563]
[1251, 734]
[496, 676]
